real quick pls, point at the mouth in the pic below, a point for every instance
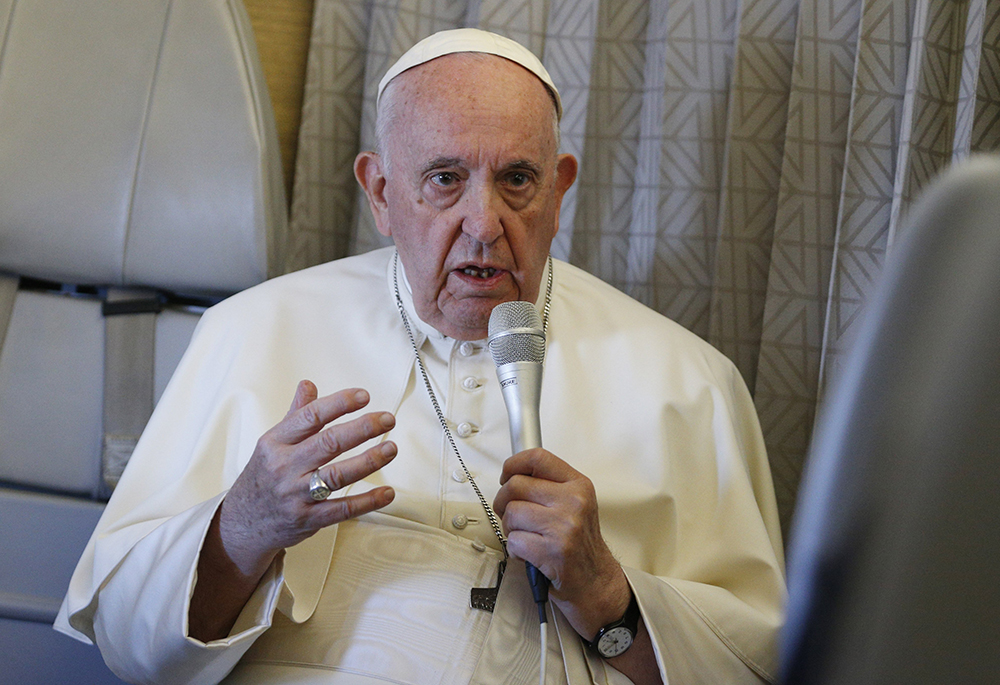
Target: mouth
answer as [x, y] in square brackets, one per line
[483, 273]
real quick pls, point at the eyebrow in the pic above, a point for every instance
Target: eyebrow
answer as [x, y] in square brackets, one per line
[527, 165]
[439, 162]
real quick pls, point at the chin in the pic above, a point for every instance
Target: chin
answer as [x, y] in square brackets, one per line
[470, 325]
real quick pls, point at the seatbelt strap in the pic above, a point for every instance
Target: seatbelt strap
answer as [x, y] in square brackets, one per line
[129, 354]
[8, 293]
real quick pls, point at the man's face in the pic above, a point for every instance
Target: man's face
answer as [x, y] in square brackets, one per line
[473, 186]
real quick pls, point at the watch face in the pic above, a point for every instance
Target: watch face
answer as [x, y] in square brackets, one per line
[614, 642]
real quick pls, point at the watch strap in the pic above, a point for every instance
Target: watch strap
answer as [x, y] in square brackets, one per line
[630, 621]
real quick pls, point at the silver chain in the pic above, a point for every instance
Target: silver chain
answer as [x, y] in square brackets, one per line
[490, 514]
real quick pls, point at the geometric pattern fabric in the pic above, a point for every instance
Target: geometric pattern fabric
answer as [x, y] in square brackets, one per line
[744, 164]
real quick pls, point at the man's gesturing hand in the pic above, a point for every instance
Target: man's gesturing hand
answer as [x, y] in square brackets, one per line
[269, 508]
[549, 513]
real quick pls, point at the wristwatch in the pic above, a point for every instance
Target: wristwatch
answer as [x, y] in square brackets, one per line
[615, 638]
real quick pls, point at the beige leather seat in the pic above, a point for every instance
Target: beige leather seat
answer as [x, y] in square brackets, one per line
[140, 180]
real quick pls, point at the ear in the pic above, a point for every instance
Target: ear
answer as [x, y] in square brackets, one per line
[566, 168]
[368, 170]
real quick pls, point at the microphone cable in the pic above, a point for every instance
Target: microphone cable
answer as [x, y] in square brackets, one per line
[540, 591]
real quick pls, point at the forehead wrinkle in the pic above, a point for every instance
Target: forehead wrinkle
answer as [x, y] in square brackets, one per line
[408, 91]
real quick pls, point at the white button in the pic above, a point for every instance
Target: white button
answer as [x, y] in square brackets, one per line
[471, 383]
[466, 429]
[466, 349]
[460, 521]
[479, 545]
[458, 475]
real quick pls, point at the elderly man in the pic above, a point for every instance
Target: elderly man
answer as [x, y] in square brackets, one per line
[223, 553]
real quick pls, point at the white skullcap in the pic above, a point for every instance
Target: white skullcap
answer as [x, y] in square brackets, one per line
[470, 40]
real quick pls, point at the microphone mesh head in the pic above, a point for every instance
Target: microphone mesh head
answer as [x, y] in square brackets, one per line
[516, 333]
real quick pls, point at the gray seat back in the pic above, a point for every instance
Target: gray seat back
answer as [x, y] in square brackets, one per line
[138, 151]
[895, 549]
[140, 180]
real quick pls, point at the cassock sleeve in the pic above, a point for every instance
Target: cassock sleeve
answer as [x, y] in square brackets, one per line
[714, 604]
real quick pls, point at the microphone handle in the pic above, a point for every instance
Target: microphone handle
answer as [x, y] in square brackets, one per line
[521, 384]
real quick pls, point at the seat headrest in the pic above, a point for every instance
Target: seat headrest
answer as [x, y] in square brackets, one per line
[137, 146]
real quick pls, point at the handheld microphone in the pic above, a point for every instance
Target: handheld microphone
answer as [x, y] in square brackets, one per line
[517, 343]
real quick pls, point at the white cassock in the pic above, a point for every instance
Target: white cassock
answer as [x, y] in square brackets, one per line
[658, 419]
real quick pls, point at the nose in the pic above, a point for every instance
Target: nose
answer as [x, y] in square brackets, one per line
[482, 215]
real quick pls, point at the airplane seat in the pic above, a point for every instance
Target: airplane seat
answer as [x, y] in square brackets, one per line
[140, 181]
[895, 548]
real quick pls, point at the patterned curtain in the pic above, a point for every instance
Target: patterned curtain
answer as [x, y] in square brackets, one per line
[744, 163]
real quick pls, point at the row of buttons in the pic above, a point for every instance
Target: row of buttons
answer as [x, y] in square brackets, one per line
[466, 429]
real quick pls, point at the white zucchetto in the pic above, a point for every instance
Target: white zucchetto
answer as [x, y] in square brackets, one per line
[471, 40]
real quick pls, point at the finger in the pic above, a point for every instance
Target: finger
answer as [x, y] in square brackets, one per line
[538, 463]
[343, 473]
[312, 417]
[527, 488]
[527, 517]
[340, 509]
[342, 437]
[305, 393]
[532, 548]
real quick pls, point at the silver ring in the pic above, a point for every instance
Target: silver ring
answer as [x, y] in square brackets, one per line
[318, 489]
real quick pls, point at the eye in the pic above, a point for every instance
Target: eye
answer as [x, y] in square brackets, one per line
[519, 184]
[518, 179]
[444, 179]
